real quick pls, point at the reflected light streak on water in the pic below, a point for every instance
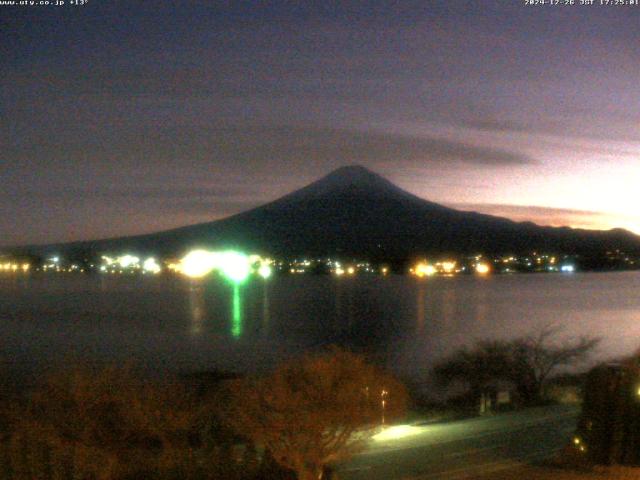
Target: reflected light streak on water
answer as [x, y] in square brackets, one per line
[420, 310]
[265, 308]
[197, 308]
[236, 325]
[412, 322]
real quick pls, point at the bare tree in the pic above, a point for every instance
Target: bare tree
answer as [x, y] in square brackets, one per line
[316, 410]
[477, 367]
[527, 362]
[537, 356]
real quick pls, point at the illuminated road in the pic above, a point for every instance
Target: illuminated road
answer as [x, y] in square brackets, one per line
[461, 449]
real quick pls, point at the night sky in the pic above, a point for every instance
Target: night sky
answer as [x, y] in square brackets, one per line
[126, 117]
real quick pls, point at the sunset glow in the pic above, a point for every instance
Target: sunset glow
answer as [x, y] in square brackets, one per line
[473, 106]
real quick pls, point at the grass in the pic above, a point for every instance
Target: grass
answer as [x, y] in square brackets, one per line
[557, 473]
[567, 465]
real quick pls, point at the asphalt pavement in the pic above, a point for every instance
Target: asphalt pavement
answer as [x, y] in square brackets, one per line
[461, 449]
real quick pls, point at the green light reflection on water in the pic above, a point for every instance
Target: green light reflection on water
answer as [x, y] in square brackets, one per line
[236, 319]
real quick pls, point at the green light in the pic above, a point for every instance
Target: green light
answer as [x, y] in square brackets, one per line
[235, 266]
[236, 325]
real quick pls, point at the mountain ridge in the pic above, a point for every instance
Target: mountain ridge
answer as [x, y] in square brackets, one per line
[354, 211]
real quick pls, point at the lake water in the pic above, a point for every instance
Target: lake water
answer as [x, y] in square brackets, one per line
[171, 323]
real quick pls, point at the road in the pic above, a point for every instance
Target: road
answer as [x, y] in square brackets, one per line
[462, 449]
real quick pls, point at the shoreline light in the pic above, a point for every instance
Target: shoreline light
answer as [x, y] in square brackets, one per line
[448, 267]
[127, 261]
[198, 263]
[234, 265]
[150, 265]
[425, 270]
[264, 271]
[482, 268]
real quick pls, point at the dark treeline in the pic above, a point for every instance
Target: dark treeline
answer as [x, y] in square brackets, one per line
[111, 423]
[91, 422]
[94, 422]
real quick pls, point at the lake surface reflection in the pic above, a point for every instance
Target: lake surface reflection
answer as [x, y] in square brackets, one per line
[175, 324]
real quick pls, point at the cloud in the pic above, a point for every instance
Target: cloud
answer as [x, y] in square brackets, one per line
[130, 179]
[247, 152]
[325, 148]
[209, 210]
[134, 192]
[587, 133]
[556, 217]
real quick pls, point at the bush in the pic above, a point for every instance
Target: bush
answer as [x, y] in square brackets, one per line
[106, 424]
[314, 411]
[527, 363]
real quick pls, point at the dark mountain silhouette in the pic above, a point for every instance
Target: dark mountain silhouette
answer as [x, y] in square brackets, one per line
[355, 212]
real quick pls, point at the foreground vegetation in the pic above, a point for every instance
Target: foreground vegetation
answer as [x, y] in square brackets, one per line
[111, 423]
[524, 365]
[555, 473]
[569, 464]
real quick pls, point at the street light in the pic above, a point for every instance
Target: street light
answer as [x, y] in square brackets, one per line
[383, 398]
